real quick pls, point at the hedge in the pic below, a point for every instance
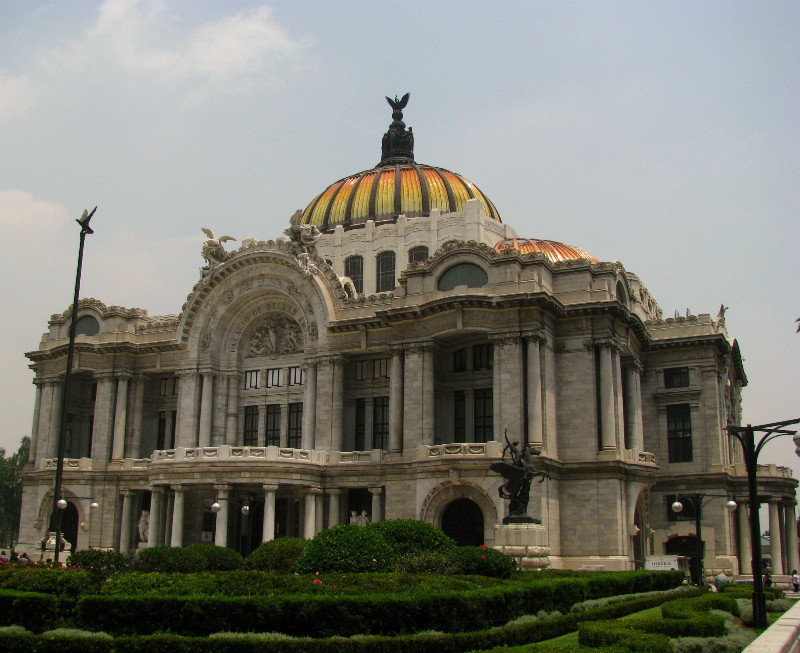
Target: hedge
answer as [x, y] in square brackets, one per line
[411, 536]
[196, 557]
[347, 548]
[422, 643]
[280, 554]
[322, 614]
[32, 610]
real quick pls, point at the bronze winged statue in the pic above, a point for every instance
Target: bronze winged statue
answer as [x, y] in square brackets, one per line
[398, 105]
[519, 474]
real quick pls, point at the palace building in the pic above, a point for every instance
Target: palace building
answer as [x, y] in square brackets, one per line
[369, 365]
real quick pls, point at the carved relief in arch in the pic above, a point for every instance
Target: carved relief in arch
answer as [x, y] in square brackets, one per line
[278, 334]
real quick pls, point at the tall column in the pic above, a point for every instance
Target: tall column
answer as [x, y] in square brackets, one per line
[395, 403]
[138, 414]
[619, 405]
[498, 346]
[186, 435]
[177, 516]
[337, 406]
[283, 437]
[309, 404]
[125, 522]
[508, 393]
[156, 517]
[607, 421]
[412, 398]
[428, 393]
[103, 417]
[221, 530]
[743, 526]
[377, 506]
[333, 507]
[232, 413]
[206, 409]
[633, 406]
[534, 399]
[309, 511]
[168, 515]
[55, 419]
[37, 408]
[369, 417]
[319, 513]
[120, 417]
[45, 418]
[268, 528]
[548, 360]
[775, 537]
[791, 537]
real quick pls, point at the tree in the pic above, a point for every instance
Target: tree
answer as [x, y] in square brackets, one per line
[11, 491]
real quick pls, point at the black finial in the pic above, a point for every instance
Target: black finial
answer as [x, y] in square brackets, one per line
[398, 144]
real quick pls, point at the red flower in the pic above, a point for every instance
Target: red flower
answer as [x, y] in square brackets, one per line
[483, 546]
[374, 560]
[484, 557]
[317, 581]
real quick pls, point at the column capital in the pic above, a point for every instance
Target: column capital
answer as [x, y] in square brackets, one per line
[375, 490]
[334, 491]
[223, 487]
[419, 346]
[535, 336]
[123, 376]
[207, 371]
[178, 488]
[503, 339]
[775, 500]
[269, 488]
[39, 381]
[181, 374]
[632, 363]
[105, 376]
[330, 359]
[312, 490]
[127, 492]
[157, 489]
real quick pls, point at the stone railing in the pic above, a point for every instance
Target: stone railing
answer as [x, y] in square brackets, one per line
[460, 450]
[70, 464]
[636, 457]
[343, 457]
[232, 453]
[773, 471]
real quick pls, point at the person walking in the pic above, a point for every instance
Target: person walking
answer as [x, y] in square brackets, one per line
[795, 580]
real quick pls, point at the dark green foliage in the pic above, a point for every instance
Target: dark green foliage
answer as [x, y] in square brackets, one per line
[97, 561]
[197, 557]
[609, 633]
[62, 582]
[280, 554]
[481, 561]
[11, 491]
[32, 610]
[427, 562]
[411, 536]
[347, 548]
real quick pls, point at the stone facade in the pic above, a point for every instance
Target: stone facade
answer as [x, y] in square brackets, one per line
[281, 388]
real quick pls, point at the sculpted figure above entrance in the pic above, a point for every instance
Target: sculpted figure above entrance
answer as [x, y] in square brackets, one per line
[278, 335]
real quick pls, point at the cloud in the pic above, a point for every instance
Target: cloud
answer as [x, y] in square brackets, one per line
[23, 218]
[141, 38]
[17, 93]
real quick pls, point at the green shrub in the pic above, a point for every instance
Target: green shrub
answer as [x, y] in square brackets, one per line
[609, 633]
[347, 548]
[280, 554]
[217, 558]
[32, 610]
[411, 536]
[97, 561]
[61, 582]
[427, 562]
[481, 561]
[197, 557]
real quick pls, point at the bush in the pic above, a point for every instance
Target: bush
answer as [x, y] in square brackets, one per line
[31, 610]
[97, 561]
[197, 557]
[61, 582]
[411, 536]
[481, 561]
[280, 554]
[427, 562]
[347, 548]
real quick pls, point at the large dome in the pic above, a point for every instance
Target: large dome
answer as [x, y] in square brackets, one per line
[396, 186]
[552, 249]
[390, 190]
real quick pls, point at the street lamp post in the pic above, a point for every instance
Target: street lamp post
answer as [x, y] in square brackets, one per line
[58, 500]
[698, 502]
[746, 437]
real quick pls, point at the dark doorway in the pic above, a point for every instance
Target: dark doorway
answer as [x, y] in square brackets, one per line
[686, 545]
[69, 526]
[463, 521]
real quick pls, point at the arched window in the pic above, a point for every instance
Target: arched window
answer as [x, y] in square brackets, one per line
[384, 280]
[622, 296]
[417, 254]
[463, 274]
[354, 268]
[87, 326]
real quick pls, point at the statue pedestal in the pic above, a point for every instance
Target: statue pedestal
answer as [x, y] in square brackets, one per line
[525, 542]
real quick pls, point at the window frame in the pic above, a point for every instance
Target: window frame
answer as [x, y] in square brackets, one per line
[676, 377]
[380, 423]
[272, 425]
[414, 254]
[250, 430]
[356, 275]
[385, 265]
[679, 433]
[483, 412]
[252, 379]
[294, 436]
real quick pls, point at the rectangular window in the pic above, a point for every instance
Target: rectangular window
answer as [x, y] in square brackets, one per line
[361, 425]
[354, 268]
[363, 370]
[380, 423]
[251, 379]
[679, 433]
[295, 440]
[171, 440]
[165, 387]
[484, 415]
[676, 377]
[384, 268]
[274, 377]
[483, 357]
[459, 416]
[272, 435]
[161, 435]
[381, 368]
[250, 438]
[460, 360]
[296, 376]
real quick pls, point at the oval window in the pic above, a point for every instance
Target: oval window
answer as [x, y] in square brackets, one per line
[87, 326]
[463, 274]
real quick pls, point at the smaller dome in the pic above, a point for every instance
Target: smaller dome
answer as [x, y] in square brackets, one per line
[555, 251]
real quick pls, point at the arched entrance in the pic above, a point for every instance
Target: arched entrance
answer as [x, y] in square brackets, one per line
[686, 545]
[69, 526]
[462, 520]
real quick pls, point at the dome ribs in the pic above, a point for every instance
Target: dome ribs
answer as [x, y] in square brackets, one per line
[451, 200]
[398, 194]
[348, 212]
[423, 187]
[373, 192]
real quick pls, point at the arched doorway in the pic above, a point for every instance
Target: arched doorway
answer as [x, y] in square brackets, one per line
[69, 526]
[686, 545]
[462, 520]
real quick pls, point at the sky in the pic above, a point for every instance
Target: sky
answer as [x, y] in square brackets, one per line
[665, 135]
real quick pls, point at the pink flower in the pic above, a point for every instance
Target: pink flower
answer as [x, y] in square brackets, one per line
[374, 560]
[317, 581]
[484, 557]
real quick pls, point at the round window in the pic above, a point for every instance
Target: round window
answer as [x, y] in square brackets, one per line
[463, 274]
[87, 326]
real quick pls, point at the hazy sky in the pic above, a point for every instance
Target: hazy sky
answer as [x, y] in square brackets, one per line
[665, 135]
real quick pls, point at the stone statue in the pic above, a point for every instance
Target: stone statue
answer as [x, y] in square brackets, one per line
[303, 239]
[719, 321]
[353, 517]
[213, 251]
[144, 525]
[363, 519]
[518, 474]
